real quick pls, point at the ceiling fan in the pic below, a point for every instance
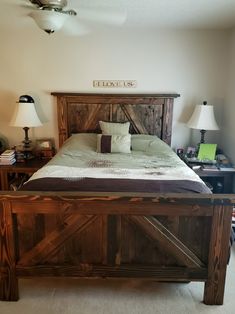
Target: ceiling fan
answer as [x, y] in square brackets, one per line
[52, 15]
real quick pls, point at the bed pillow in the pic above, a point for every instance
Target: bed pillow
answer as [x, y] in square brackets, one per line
[141, 142]
[149, 144]
[80, 141]
[114, 143]
[111, 128]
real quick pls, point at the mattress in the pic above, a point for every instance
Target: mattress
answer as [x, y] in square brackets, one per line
[152, 166]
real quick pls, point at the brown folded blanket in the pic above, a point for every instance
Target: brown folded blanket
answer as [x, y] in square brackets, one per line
[115, 185]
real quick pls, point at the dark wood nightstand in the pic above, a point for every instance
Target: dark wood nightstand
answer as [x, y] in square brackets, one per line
[24, 168]
[221, 181]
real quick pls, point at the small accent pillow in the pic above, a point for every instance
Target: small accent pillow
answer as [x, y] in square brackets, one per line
[111, 128]
[113, 143]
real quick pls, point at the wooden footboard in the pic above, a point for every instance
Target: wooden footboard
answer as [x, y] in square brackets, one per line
[171, 237]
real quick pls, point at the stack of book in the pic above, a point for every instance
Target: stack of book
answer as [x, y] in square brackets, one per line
[7, 157]
[226, 167]
[210, 167]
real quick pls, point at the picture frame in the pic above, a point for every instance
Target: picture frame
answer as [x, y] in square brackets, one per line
[191, 151]
[44, 144]
[207, 152]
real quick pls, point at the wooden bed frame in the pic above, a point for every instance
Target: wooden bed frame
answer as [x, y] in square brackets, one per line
[170, 237]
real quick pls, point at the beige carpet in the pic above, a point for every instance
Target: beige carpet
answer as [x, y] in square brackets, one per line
[72, 296]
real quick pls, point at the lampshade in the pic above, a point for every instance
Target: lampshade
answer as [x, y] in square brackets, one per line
[203, 118]
[48, 20]
[26, 116]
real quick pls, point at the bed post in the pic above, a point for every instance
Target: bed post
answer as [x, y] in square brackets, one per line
[62, 112]
[218, 255]
[8, 279]
[167, 120]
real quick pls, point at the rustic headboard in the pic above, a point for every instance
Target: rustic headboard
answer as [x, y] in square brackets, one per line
[147, 113]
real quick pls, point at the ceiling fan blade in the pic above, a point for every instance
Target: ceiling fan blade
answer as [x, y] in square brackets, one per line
[103, 16]
[74, 27]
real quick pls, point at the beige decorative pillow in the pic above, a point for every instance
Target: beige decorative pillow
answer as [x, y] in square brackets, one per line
[113, 143]
[111, 128]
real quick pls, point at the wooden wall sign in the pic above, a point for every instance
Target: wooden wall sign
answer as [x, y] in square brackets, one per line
[115, 83]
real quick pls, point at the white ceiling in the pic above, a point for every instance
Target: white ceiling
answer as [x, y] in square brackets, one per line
[186, 14]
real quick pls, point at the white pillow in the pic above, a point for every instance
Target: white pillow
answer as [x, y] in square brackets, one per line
[148, 143]
[81, 141]
[114, 143]
[111, 128]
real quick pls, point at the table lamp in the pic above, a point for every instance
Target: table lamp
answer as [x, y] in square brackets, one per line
[203, 119]
[26, 117]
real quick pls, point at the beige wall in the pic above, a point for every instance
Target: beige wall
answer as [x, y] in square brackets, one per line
[192, 63]
[228, 130]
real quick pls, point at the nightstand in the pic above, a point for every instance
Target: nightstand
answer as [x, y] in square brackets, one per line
[24, 168]
[220, 180]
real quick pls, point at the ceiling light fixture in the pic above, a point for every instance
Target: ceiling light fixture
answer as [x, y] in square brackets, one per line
[51, 15]
[49, 20]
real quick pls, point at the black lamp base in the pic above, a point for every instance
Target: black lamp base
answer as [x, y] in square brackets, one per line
[202, 140]
[203, 132]
[26, 140]
[27, 148]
